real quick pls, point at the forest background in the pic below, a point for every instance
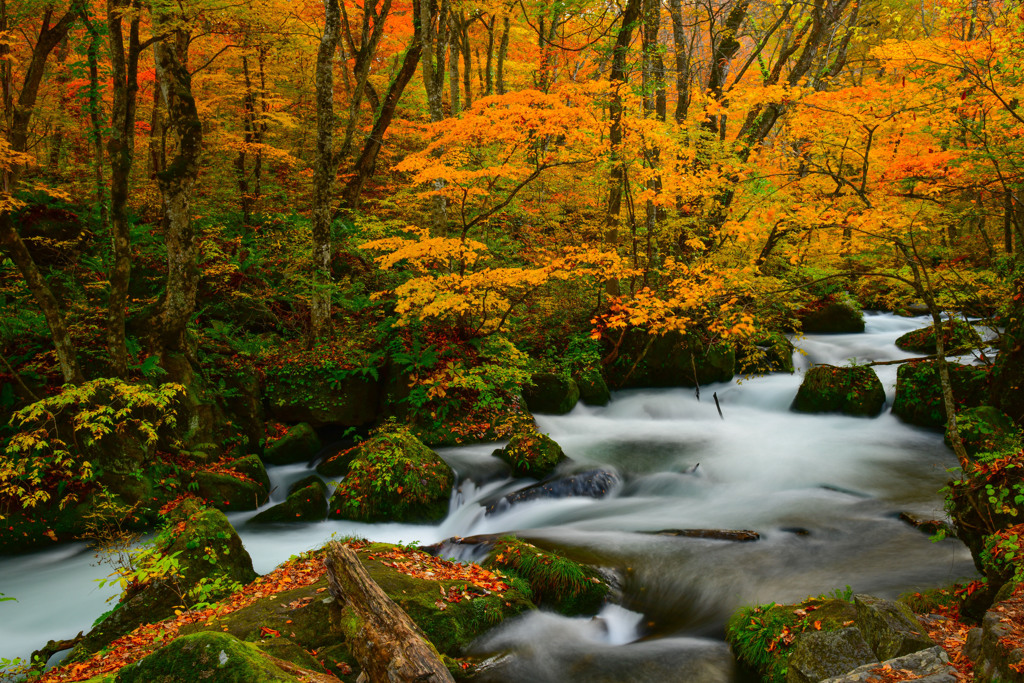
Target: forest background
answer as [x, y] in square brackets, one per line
[447, 198]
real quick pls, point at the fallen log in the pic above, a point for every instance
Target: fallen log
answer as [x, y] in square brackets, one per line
[738, 535]
[389, 646]
[52, 647]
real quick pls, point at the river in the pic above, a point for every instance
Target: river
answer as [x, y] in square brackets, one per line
[823, 491]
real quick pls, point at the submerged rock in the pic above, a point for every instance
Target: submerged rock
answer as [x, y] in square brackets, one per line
[738, 535]
[591, 484]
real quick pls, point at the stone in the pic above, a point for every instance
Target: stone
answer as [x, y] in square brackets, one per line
[852, 390]
[834, 314]
[928, 666]
[393, 477]
[593, 388]
[531, 454]
[591, 484]
[919, 392]
[299, 444]
[890, 628]
[306, 504]
[957, 336]
[820, 655]
[551, 393]
[230, 493]
[1001, 658]
[207, 656]
[673, 359]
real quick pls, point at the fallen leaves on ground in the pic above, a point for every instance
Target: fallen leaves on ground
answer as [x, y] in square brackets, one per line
[423, 566]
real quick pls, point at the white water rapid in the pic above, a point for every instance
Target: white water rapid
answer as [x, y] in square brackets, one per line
[823, 491]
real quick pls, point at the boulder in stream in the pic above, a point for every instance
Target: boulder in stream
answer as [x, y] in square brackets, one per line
[592, 484]
[835, 313]
[306, 502]
[299, 444]
[854, 390]
[393, 477]
[593, 388]
[926, 666]
[890, 628]
[551, 393]
[957, 336]
[919, 392]
[530, 453]
[819, 655]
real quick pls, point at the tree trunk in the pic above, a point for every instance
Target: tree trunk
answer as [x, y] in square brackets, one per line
[389, 646]
[176, 183]
[467, 60]
[121, 149]
[502, 53]
[489, 70]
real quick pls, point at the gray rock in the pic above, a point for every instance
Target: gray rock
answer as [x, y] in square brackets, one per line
[972, 648]
[820, 655]
[995, 660]
[931, 665]
[890, 628]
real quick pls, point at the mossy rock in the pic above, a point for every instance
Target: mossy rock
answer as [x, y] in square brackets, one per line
[890, 628]
[299, 444]
[820, 655]
[206, 549]
[337, 465]
[593, 388]
[452, 628]
[551, 393]
[393, 477]
[758, 635]
[321, 395]
[851, 390]
[957, 336]
[772, 352]
[230, 493]
[306, 504]
[919, 392]
[985, 429]
[834, 314]
[208, 656]
[252, 467]
[669, 360]
[531, 454]
[555, 581]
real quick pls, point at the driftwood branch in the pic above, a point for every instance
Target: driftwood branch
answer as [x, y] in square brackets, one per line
[390, 647]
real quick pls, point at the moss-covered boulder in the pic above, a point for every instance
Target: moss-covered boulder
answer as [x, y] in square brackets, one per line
[890, 628]
[307, 503]
[819, 655]
[555, 581]
[771, 352]
[763, 637]
[833, 314]
[530, 453]
[551, 393]
[669, 360]
[229, 491]
[593, 388]
[919, 391]
[321, 395]
[299, 444]
[393, 477]
[207, 561]
[985, 429]
[212, 657]
[851, 390]
[957, 336]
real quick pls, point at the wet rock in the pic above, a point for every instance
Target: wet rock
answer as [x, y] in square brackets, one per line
[919, 392]
[592, 484]
[836, 313]
[890, 628]
[530, 453]
[593, 388]
[957, 337]
[738, 535]
[771, 352]
[926, 526]
[927, 666]
[551, 393]
[299, 444]
[669, 360]
[851, 390]
[208, 656]
[820, 655]
[393, 477]
[307, 503]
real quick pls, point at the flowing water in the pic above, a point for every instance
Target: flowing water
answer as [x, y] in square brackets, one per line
[823, 491]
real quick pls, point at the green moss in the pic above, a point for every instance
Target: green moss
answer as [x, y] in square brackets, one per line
[393, 477]
[919, 391]
[958, 337]
[985, 429]
[530, 453]
[551, 393]
[851, 390]
[307, 504]
[555, 581]
[300, 444]
[835, 313]
[228, 492]
[209, 656]
[593, 388]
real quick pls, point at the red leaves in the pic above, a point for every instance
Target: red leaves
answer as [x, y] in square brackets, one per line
[427, 567]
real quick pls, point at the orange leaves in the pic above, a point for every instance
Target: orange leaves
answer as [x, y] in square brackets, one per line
[423, 566]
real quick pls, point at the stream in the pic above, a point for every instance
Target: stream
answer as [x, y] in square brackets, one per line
[823, 491]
